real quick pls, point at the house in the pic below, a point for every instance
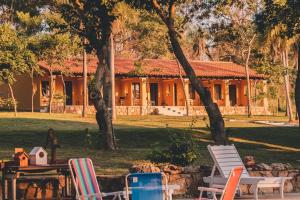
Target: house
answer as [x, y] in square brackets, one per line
[38, 156]
[147, 87]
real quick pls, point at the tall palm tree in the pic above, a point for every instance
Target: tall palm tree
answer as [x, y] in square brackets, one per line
[280, 47]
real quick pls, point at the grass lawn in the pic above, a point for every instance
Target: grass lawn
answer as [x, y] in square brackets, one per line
[139, 135]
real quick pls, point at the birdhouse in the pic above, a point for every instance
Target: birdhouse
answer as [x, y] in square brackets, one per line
[38, 156]
[21, 157]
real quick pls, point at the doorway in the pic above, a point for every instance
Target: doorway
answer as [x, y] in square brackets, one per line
[69, 93]
[232, 95]
[154, 94]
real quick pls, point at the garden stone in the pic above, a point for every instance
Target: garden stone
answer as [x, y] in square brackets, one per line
[297, 184]
[249, 162]
[191, 169]
[278, 166]
[172, 169]
[262, 167]
[144, 168]
[288, 186]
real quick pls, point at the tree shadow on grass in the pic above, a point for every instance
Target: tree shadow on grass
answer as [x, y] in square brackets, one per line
[136, 142]
[266, 144]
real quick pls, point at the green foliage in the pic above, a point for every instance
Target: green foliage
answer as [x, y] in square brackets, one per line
[138, 69]
[90, 19]
[182, 151]
[15, 57]
[6, 103]
[151, 36]
[139, 34]
[279, 12]
[54, 48]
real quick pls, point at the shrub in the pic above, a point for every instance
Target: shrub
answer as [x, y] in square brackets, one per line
[182, 151]
[6, 103]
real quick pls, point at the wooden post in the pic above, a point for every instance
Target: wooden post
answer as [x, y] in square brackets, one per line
[4, 184]
[226, 93]
[143, 88]
[84, 109]
[112, 70]
[13, 187]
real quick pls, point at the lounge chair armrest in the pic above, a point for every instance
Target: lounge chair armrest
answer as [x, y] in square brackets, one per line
[215, 180]
[251, 180]
[215, 190]
[121, 193]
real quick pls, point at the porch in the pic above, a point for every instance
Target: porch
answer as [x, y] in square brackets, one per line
[164, 96]
[176, 92]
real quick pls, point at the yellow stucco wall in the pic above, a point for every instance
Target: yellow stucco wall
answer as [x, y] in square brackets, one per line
[23, 92]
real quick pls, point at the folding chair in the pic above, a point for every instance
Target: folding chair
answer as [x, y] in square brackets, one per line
[85, 181]
[147, 186]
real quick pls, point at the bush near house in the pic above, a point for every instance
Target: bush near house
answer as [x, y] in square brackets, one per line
[182, 150]
[6, 103]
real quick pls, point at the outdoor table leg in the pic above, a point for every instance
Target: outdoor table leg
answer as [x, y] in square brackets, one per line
[13, 187]
[67, 186]
[3, 186]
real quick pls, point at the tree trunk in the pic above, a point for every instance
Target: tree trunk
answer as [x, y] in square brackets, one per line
[64, 90]
[85, 86]
[297, 88]
[217, 124]
[102, 97]
[13, 98]
[51, 91]
[248, 78]
[32, 92]
[184, 90]
[287, 87]
[112, 70]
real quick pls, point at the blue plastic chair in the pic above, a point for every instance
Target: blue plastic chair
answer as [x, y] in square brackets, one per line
[145, 186]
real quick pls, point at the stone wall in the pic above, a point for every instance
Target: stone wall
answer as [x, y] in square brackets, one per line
[153, 110]
[188, 178]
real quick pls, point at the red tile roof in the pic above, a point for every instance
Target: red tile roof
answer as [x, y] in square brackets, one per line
[160, 68]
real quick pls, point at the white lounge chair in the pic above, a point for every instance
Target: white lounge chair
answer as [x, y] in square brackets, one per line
[225, 159]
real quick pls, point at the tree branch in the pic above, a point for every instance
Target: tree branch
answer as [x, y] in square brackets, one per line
[159, 11]
[171, 12]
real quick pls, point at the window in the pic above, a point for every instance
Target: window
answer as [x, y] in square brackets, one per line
[191, 91]
[45, 89]
[136, 90]
[218, 91]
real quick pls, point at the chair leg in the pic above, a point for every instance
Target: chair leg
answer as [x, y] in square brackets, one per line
[215, 197]
[255, 191]
[239, 192]
[282, 191]
[200, 196]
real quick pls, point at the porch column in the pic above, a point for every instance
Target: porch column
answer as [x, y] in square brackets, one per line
[226, 93]
[186, 91]
[143, 82]
[186, 87]
[172, 92]
[265, 99]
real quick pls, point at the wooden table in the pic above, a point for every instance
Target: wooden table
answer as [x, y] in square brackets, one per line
[11, 173]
